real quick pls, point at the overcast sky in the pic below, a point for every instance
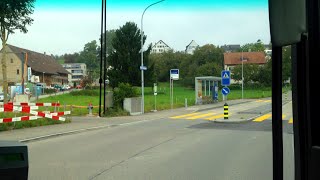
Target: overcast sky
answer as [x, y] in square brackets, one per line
[64, 26]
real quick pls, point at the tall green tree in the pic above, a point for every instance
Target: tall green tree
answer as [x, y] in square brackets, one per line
[14, 15]
[253, 47]
[125, 60]
[250, 73]
[89, 56]
[71, 58]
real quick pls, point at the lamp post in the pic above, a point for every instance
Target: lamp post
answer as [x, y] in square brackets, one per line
[242, 68]
[242, 72]
[141, 51]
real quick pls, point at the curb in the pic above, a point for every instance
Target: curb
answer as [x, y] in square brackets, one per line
[39, 138]
[220, 106]
[232, 120]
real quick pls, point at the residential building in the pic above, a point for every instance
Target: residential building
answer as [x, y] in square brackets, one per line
[77, 72]
[191, 47]
[160, 47]
[233, 59]
[231, 47]
[24, 65]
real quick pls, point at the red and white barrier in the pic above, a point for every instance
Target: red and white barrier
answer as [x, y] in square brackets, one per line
[16, 119]
[29, 108]
[32, 104]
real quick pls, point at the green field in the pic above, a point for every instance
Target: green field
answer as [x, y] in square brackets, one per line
[80, 103]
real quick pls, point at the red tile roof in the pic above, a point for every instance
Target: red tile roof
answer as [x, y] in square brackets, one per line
[248, 57]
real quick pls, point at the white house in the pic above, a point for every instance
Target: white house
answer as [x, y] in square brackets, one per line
[191, 47]
[77, 72]
[160, 47]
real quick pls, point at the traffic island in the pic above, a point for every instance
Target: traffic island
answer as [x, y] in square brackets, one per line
[235, 120]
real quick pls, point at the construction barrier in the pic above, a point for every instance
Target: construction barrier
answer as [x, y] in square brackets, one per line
[30, 109]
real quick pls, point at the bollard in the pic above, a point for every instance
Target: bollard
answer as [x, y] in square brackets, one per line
[226, 111]
[90, 107]
[185, 102]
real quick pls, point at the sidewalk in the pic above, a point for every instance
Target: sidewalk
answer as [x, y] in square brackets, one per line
[80, 124]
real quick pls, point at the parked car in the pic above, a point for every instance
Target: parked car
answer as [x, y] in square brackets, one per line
[2, 97]
[27, 91]
[78, 87]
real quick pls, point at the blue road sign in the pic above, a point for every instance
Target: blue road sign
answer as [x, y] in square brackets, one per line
[225, 91]
[225, 76]
[143, 68]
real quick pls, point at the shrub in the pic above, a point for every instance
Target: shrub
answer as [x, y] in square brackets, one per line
[124, 90]
[87, 92]
[49, 91]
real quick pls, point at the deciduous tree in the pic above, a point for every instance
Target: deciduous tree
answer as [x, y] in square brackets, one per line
[14, 15]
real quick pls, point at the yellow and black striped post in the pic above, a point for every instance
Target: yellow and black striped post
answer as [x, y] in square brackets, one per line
[226, 111]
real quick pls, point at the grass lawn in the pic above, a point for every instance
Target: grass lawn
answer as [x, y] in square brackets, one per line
[180, 93]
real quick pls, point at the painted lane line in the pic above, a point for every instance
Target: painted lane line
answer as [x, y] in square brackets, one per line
[185, 115]
[215, 117]
[262, 118]
[201, 116]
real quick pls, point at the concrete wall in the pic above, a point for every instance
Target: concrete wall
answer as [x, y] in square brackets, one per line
[132, 105]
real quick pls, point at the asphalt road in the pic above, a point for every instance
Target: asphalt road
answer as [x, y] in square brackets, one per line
[165, 149]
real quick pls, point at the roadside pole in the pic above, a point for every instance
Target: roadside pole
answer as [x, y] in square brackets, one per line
[155, 93]
[174, 75]
[225, 81]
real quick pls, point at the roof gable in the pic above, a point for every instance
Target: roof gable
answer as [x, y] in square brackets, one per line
[192, 43]
[40, 62]
[160, 42]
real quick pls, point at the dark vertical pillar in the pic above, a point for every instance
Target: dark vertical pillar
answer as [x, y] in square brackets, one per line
[277, 113]
[105, 57]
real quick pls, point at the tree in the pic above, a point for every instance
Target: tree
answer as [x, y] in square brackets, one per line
[14, 15]
[89, 56]
[253, 47]
[125, 60]
[111, 34]
[71, 58]
[286, 63]
[250, 73]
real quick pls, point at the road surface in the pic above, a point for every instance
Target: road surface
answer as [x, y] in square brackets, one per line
[187, 146]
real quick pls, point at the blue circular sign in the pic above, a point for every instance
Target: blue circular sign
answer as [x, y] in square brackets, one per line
[225, 91]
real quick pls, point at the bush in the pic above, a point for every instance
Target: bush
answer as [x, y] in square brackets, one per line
[49, 91]
[124, 90]
[87, 92]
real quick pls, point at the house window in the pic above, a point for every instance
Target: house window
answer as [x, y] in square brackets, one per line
[11, 60]
[17, 71]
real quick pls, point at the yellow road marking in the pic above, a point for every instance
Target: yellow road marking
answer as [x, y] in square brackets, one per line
[266, 116]
[259, 100]
[201, 116]
[183, 116]
[290, 121]
[215, 117]
[267, 101]
[262, 118]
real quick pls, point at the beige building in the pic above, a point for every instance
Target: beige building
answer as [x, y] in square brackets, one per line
[29, 66]
[77, 71]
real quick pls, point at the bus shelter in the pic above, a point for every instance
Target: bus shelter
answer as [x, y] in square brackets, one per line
[206, 89]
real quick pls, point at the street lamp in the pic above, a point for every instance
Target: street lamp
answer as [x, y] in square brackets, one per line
[141, 51]
[242, 71]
